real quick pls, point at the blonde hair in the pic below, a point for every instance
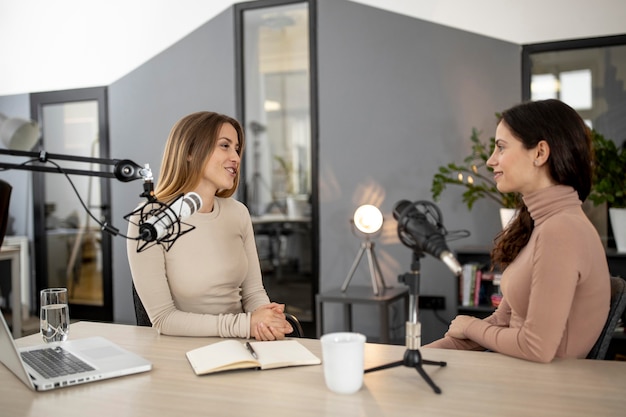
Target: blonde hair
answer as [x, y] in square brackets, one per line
[189, 146]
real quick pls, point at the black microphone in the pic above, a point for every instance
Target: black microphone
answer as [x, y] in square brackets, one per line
[164, 221]
[426, 236]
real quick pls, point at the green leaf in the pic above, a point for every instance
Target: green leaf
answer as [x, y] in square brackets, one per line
[609, 176]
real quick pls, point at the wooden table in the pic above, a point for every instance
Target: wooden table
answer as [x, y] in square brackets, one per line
[473, 384]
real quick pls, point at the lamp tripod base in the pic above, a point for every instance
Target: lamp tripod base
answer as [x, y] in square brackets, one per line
[413, 359]
[378, 282]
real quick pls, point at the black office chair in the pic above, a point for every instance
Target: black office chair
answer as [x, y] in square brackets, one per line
[618, 305]
[143, 320]
[140, 312]
[295, 324]
[5, 197]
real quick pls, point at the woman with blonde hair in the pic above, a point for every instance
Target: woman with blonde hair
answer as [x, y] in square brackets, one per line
[209, 282]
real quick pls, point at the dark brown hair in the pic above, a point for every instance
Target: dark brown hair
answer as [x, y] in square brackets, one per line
[569, 163]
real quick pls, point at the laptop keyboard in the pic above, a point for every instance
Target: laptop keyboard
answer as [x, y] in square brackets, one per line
[54, 362]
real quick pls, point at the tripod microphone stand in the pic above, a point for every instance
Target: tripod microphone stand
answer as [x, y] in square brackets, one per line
[412, 356]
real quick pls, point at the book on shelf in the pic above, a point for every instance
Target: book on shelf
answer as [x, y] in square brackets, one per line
[468, 284]
[233, 354]
[476, 285]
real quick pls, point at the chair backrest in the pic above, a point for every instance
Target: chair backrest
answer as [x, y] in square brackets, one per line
[141, 316]
[5, 197]
[618, 305]
[295, 324]
[140, 312]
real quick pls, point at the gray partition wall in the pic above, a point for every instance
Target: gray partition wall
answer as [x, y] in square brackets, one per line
[197, 73]
[398, 97]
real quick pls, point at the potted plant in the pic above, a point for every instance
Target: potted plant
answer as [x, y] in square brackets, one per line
[474, 176]
[297, 205]
[609, 184]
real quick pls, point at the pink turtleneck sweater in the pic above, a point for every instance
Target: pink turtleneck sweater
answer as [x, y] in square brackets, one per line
[556, 292]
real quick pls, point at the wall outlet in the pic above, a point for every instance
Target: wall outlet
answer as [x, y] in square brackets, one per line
[432, 302]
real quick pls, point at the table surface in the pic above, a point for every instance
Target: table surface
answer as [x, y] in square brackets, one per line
[473, 384]
[363, 294]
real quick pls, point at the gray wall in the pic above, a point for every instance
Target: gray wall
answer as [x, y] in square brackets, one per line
[195, 74]
[398, 97]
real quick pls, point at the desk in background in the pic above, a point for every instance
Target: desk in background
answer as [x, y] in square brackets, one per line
[279, 226]
[473, 384]
[12, 253]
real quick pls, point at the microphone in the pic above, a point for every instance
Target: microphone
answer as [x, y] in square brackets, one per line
[165, 221]
[425, 232]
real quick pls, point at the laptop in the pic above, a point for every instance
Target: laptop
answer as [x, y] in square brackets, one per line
[61, 364]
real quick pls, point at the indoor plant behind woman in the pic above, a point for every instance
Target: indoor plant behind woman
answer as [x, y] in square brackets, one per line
[609, 184]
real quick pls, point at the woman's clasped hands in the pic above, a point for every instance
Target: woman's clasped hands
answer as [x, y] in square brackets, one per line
[268, 322]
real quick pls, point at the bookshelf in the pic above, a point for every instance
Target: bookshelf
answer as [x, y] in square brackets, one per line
[482, 309]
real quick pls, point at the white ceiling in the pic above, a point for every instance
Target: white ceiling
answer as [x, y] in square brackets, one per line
[54, 45]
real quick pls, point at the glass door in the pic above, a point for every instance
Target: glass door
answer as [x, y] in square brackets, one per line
[589, 75]
[276, 104]
[70, 249]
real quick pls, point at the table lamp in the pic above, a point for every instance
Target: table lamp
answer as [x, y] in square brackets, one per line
[368, 222]
[18, 134]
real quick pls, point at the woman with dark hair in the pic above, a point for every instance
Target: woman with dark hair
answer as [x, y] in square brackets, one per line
[209, 283]
[555, 277]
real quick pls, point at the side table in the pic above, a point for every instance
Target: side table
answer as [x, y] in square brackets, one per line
[362, 295]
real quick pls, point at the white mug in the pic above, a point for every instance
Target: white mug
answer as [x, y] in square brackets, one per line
[343, 361]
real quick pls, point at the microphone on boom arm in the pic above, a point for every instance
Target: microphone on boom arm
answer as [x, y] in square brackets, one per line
[160, 223]
[420, 228]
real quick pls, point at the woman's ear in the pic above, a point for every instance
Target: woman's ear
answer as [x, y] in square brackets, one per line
[542, 152]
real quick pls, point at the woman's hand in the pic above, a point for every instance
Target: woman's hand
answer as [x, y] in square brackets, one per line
[268, 322]
[458, 326]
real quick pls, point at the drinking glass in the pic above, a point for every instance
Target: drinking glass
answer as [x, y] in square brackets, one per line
[54, 316]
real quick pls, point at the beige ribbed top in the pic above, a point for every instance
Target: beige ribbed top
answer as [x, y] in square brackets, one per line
[210, 279]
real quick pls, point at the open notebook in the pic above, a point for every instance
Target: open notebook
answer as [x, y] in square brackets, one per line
[233, 354]
[60, 364]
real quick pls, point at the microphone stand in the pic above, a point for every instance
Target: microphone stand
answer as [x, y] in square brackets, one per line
[412, 356]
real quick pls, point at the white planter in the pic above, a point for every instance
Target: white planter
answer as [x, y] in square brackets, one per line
[618, 224]
[298, 206]
[507, 215]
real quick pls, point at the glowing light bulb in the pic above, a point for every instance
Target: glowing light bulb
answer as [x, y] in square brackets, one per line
[368, 219]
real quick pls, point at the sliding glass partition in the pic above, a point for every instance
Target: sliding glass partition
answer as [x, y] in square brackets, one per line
[277, 105]
[70, 248]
